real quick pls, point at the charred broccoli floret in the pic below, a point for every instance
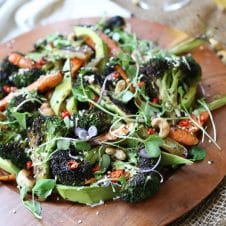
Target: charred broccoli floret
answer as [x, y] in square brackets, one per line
[24, 103]
[114, 22]
[94, 117]
[145, 163]
[15, 152]
[25, 77]
[45, 129]
[173, 80]
[8, 67]
[139, 187]
[69, 171]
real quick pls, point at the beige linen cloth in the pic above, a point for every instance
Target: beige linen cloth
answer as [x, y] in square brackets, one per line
[18, 16]
[198, 17]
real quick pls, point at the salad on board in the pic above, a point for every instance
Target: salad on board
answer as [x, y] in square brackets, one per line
[100, 114]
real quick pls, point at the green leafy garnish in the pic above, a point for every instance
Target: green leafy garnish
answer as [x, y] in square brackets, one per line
[198, 153]
[20, 118]
[152, 146]
[43, 188]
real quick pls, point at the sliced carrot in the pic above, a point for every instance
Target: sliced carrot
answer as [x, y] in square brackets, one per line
[183, 136]
[76, 64]
[43, 84]
[8, 178]
[124, 76]
[20, 61]
[5, 101]
[46, 82]
[90, 43]
[190, 126]
[114, 49]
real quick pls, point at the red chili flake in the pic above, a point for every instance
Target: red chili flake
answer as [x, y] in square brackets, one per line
[118, 173]
[40, 62]
[72, 164]
[65, 114]
[151, 131]
[202, 118]
[6, 89]
[155, 100]
[96, 168]
[116, 75]
[184, 123]
[141, 84]
[29, 165]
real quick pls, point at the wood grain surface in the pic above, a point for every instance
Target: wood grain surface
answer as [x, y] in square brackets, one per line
[180, 193]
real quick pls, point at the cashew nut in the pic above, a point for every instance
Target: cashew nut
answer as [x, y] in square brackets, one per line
[25, 179]
[110, 151]
[120, 86]
[120, 154]
[222, 55]
[46, 110]
[214, 44]
[163, 126]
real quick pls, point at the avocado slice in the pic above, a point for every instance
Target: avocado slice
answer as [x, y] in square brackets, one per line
[100, 47]
[87, 195]
[71, 105]
[62, 91]
[173, 160]
[8, 166]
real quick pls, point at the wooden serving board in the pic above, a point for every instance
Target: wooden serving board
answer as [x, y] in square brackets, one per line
[180, 193]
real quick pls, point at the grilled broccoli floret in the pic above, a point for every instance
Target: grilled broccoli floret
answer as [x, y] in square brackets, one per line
[15, 152]
[24, 104]
[94, 117]
[114, 22]
[68, 174]
[8, 67]
[145, 163]
[44, 131]
[173, 80]
[25, 77]
[139, 187]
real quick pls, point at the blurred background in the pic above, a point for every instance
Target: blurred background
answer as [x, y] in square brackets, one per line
[192, 16]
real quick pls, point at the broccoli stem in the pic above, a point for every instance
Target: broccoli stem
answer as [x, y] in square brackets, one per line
[218, 103]
[187, 45]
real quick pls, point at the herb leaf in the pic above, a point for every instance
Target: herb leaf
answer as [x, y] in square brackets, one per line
[63, 144]
[198, 153]
[152, 146]
[126, 96]
[105, 162]
[43, 188]
[34, 207]
[20, 117]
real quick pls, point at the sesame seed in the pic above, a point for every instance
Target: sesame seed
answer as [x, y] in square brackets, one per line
[210, 162]
[79, 221]
[97, 213]
[14, 211]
